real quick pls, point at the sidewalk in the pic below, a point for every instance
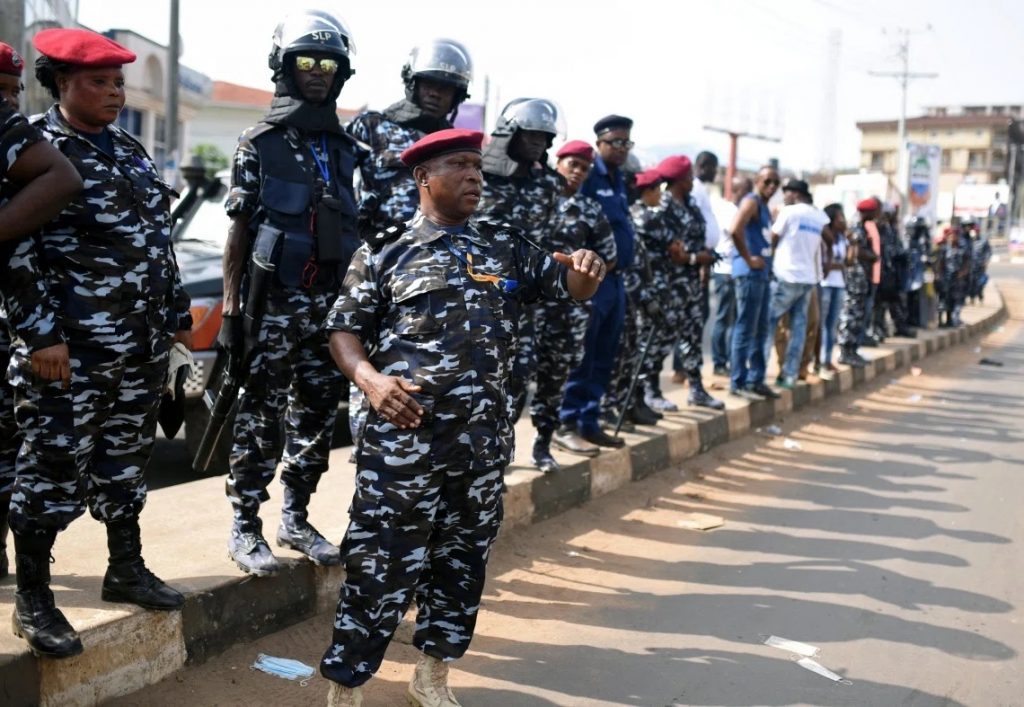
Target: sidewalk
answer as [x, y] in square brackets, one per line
[184, 531]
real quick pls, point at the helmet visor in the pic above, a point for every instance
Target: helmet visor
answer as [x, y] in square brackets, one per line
[442, 60]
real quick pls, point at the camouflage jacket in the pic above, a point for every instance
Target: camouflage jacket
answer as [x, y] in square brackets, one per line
[579, 222]
[107, 258]
[421, 316]
[387, 192]
[528, 203]
[32, 303]
[655, 229]
[689, 227]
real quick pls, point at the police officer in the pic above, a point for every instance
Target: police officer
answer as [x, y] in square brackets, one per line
[436, 75]
[952, 272]
[292, 236]
[36, 183]
[436, 303]
[522, 191]
[560, 327]
[588, 382]
[918, 249]
[858, 286]
[117, 303]
[891, 296]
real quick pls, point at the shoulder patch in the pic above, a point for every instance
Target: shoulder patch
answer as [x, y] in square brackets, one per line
[388, 235]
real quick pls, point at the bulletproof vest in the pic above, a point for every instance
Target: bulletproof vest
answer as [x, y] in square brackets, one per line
[496, 159]
[300, 222]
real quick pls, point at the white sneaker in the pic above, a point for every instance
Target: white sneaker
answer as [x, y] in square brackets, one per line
[340, 696]
[659, 404]
[429, 685]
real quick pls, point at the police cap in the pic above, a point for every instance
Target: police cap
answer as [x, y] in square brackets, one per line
[612, 122]
[440, 143]
[10, 60]
[576, 148]
[675, 167]
[81, 47]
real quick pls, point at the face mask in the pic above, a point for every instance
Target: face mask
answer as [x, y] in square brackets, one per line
[283, 668]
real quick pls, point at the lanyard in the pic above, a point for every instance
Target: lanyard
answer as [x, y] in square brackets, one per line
[506, 285]
[322, 165]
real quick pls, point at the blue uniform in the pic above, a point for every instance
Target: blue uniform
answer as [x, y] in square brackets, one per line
[581, 405]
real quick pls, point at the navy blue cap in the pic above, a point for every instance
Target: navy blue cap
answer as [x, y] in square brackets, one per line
[612, 122]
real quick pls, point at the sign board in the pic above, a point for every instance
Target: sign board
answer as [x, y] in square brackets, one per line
[920, 179]
[980, 200]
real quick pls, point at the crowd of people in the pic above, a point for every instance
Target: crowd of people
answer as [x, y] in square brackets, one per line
[457, 278]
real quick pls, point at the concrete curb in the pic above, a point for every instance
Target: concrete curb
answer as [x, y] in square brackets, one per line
[137, 648]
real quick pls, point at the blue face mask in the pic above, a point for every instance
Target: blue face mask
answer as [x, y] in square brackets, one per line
[283, 668]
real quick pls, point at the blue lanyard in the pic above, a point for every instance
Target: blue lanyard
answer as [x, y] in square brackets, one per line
[322, 165]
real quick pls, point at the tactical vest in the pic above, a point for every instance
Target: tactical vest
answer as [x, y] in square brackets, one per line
[306, 231]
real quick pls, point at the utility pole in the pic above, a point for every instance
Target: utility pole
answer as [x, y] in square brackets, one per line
[730, 166]
[12, 23]
[829, 107]
[171, 122]
[905, 76]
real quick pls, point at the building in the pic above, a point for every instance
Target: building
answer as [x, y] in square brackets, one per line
[974, 142]
[231, 109]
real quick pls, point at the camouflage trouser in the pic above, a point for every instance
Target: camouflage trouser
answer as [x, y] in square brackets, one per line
[894, 302]
[291, 375]
[559, 330]
[634, 327]
[673, 312]
[9, 439]
[89, 443]
[690, 294]
[427, 533]
[525, 366]
[851, 319]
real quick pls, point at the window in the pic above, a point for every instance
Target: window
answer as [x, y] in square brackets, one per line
[998, 110]
[976, 159]
[940, 111]
[130, 120]
[160, 155]
[998, 161]
[974, 110]
[877, 160]
[947, 159]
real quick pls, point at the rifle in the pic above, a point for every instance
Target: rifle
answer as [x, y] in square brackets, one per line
[230, 367]
[636, 375]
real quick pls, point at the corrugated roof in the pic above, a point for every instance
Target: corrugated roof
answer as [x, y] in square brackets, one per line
[939, 121]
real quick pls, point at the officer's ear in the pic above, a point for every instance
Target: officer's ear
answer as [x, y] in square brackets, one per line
[420, 174]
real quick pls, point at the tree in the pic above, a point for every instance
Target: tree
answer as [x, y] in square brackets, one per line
[213, 159]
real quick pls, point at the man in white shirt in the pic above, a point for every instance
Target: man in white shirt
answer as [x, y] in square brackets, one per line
[796, 242]
[722, 291]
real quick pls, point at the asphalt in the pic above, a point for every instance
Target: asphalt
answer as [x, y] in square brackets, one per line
[883, 528]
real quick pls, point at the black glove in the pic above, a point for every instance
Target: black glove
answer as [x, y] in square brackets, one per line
[230, 336]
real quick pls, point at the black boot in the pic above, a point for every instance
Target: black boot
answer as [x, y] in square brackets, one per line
[700, 397]
[542, 458]
[297, 533]
[642, 414]
[4, 509]
[36, 618]
[128, 580]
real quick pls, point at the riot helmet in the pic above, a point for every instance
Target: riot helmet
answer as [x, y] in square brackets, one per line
[442, 60]
[537, 114]
[311, 31]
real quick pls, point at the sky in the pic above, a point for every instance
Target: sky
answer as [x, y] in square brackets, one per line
[768, 67]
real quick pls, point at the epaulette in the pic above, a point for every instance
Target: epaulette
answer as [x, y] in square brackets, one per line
[388, 235]
[253, 132]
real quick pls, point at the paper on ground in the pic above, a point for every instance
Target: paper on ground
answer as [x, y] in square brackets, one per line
[816, 667]
[786, 644]
[700, 521]
[789, 443]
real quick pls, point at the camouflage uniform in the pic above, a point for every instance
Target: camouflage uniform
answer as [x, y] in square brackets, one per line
[115, 296]
[427, 504]
[981, 254]
[636, 280]
[560, 327]
[687, 284]
[890, 296]
[387, 196]
[529, 204]
[952, 285]
[858, 285]
[290, 372]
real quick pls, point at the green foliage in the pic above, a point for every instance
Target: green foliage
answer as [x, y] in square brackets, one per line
[212, 158]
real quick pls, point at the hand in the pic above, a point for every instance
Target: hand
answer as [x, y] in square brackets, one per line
[230, 336]
[389, 396]
[183, 336]
[677, 254]
[585, 262]
[756, 262]
[53, 364]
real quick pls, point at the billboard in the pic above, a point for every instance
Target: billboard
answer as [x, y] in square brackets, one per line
[921, 180]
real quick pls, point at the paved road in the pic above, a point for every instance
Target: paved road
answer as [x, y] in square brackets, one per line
[891, 539]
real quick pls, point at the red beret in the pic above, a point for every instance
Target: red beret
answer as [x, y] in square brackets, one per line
[81, 47]
[576, 148]
[441, 143]
[675, 167]
[10, 60]
[869, 204]
[648, 178]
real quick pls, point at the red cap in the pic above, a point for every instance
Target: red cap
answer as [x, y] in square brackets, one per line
[10, 60]
[675, 167]
[869, 204]
[648, 178]
[576, 148]
[441, 143]
[81, 47]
